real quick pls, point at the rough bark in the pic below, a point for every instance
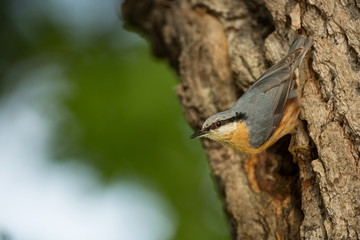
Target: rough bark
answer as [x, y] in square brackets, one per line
[219, 48]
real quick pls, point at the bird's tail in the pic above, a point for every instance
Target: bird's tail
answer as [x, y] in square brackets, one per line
[298, 43]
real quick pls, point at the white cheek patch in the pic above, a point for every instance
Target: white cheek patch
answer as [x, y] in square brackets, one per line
[226, 129]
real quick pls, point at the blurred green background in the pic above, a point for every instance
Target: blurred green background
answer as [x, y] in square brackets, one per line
[111, 116]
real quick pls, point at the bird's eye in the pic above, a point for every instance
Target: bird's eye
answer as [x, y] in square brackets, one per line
[218, 124]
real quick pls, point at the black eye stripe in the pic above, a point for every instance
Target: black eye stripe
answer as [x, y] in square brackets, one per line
[237, 117]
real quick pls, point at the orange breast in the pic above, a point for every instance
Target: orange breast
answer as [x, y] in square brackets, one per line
[239, 140]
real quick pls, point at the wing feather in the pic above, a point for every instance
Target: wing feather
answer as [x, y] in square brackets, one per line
[277, 82]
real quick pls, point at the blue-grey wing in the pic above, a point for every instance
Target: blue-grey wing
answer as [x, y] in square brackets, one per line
[267, 97]
[271, 94]
[276, 84]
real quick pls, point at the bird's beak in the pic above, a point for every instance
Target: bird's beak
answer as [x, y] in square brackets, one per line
[198, 134]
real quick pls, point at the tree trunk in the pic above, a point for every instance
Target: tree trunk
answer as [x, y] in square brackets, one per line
[219, 48]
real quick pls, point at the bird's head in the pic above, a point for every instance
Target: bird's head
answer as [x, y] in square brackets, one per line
[219, 125]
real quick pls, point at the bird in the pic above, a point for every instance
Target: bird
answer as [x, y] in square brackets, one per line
[266, 112]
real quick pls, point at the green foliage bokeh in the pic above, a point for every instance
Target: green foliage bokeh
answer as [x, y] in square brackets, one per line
[124, 119]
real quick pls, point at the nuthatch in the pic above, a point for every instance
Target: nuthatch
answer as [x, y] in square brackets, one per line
[266, 112]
